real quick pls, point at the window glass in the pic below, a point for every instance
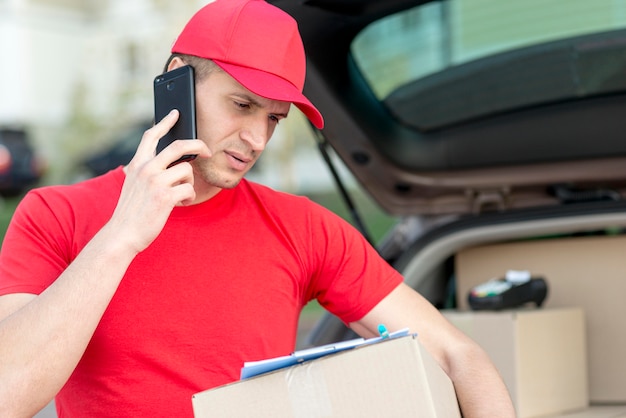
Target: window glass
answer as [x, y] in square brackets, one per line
[438, 35]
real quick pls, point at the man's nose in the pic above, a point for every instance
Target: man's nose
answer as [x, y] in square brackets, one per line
[257, 133]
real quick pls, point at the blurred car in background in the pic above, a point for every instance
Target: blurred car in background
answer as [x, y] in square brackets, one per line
[20, 166]
[118, 153]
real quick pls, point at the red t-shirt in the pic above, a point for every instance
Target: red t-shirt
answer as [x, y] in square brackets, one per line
[223, 283]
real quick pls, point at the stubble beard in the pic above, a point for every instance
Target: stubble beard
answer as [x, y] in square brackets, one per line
[213, 176]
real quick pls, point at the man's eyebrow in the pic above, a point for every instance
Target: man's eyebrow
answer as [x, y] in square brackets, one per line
[256, 103]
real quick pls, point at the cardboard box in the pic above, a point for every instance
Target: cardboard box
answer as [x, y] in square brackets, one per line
[393, 378]
[587, 272]
[541, 355]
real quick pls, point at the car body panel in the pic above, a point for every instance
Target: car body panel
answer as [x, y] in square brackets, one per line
[491, 133]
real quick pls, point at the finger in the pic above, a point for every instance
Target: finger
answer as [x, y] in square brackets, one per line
[180, 180]
[180, 147]
[148, 144]
[178, 174]
[184, 194]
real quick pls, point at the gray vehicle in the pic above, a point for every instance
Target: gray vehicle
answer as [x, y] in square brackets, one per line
[484, 125]
[20, 166]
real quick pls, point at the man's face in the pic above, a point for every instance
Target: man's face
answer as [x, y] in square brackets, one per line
[236, 124]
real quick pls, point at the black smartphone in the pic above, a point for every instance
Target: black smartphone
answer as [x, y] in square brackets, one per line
[176, 90]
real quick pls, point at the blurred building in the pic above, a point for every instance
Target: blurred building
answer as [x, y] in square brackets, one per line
[104, 53]
[75, 72]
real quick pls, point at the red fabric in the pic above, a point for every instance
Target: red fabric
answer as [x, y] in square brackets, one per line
[257, 43]
[223, 283]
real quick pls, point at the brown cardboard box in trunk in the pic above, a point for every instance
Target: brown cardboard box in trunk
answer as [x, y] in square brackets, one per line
[540, 354]
[586, 272]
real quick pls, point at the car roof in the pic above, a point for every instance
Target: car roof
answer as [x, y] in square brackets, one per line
[498, 125]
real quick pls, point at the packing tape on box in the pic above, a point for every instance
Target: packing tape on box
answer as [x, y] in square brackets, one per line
[308, 392]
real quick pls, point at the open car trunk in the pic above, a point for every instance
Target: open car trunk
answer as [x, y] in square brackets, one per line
[497, 131]
[506, 152]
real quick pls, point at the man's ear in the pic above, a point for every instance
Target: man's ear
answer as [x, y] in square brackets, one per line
[176, 62]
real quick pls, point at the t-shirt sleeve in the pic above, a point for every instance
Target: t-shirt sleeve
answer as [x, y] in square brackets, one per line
[351, 277]
[34, 252]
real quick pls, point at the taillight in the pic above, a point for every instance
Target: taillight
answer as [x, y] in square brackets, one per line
[5, 159]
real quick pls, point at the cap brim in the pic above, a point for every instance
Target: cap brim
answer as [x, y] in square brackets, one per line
[273, 87]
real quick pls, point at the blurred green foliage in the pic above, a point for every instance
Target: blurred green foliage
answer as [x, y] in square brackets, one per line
[7, 207]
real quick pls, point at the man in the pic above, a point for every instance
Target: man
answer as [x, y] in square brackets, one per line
[126, 294]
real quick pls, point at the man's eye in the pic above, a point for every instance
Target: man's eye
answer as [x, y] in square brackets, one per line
[274, 118]
[242, 105]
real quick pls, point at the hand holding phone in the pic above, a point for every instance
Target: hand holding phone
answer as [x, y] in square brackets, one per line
[176, 90]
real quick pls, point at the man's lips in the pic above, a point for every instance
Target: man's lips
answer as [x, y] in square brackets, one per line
[237, 160]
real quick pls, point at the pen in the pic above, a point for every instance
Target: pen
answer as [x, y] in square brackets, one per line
[382, 330]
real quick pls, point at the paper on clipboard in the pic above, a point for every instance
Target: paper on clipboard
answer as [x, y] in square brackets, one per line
[254, 368]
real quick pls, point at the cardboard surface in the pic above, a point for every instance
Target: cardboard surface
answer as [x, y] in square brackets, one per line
[394, 378]
[587, 272]
[541, 355]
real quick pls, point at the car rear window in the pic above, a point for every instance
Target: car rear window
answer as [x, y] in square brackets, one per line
[449, 61]
[15, 140]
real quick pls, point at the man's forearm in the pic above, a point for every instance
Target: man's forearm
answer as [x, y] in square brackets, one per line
[41, 342]
[479, 387]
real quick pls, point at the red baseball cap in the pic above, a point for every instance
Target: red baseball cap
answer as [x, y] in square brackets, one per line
[257, 44]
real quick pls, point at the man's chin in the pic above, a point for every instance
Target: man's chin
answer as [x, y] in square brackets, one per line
[218, 179]
[230, 185]
[226, 183]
